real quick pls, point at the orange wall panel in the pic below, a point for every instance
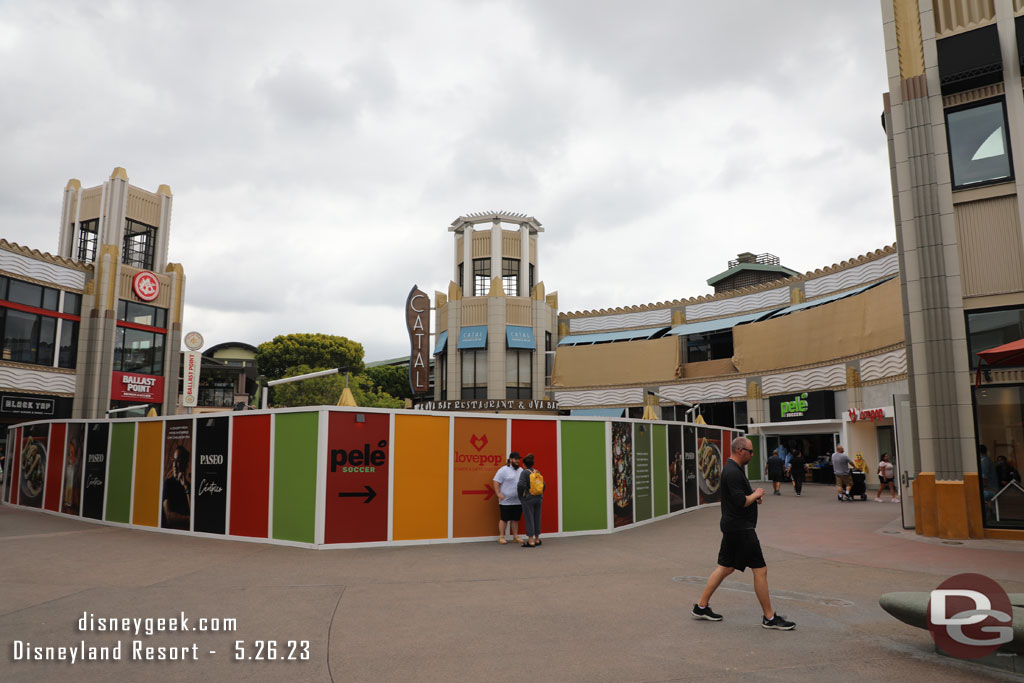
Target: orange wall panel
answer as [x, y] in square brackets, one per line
[148, 474]
[420, 478]
[479, 452]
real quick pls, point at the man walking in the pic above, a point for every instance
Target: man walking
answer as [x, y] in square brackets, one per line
[740, 548]
[505, 481]
[841, 465]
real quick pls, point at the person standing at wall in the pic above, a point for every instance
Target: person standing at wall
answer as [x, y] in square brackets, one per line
[841, 465]
[740, 548]
[798, 471]
[505, 484]
[774, 468]
[531, 493]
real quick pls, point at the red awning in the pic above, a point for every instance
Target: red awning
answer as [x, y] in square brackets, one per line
[1005, 355]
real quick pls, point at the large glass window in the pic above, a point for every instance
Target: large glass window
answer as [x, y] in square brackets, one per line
[88, 232]
[474, 373]
[979, 146]
[518, 368]
[141, 314]
[999, 420]
[139, 244]
[710, 346]
[68, 353]
[510, 276]
[138, 351]
[28, 337]
[988, 329]
[441, 370]
[481, 276]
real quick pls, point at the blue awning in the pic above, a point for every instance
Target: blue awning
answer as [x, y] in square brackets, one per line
[598, 337]
[597, 412]
[520, 337]
[442, 341]
[826, 299]
[473, 337]
[703, 326]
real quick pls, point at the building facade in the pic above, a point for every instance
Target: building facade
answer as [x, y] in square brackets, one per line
[97, 326]
[953, 112]
[808, 361]
[495, 327]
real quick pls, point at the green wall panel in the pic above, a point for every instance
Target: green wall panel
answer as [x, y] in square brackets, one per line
[755, 471]
[584, 480]
[295, 437]
[659, 449]
[119, 480]
[642, 480]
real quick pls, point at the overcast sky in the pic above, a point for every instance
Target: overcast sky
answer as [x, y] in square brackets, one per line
[318, 151]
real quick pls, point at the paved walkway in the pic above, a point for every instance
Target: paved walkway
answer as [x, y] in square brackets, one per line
[587, 608]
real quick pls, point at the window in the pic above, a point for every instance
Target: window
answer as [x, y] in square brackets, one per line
[68, 351]
[510, 276]
[138, 351]
[979, 148]
[31, 336]
[139, 244]
[549, 358]
[997, 419]
[533, 280]
[28, 337]
[141, 314]
[709, 346]
[481, 276]
[988, 329]
[441, 370]
[474, 373]
[72, 303]
[88, 232]
[518, 368]
[462, 280]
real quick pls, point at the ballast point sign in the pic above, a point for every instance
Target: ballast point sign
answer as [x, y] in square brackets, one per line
[131, 386]
[146, 285]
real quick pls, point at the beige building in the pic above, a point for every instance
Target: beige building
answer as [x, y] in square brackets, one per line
[97, 326]
[496, 325]
[953, 112]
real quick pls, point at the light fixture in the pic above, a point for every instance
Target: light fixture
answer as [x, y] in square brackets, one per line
[360, 418]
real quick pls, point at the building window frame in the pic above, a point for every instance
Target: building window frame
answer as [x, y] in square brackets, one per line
[481, 276]
[953, 133]
[510, 276]
[474, 374]
[518, 373]
[47, 328]
[139, 244]
[973, 347]
[88, 239]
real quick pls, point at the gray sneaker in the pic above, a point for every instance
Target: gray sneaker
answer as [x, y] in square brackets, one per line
[705, 613]
[777, 622]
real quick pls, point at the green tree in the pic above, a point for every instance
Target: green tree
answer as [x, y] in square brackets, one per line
[393, 380]
[287, 351]
[325, 391]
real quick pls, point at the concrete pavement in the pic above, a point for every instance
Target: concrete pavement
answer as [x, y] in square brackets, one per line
[587, 608]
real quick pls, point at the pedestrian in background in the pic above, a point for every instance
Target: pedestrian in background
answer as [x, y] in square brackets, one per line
[506, 482]
[798, 471]
[774, 468]
[885, 479]
[841, 465]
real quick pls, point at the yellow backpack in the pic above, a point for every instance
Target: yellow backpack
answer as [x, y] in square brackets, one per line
[536, 483]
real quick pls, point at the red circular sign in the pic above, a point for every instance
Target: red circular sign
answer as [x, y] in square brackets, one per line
[969, 616]
[145, 285]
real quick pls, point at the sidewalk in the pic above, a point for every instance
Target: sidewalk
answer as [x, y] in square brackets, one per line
[586, 608]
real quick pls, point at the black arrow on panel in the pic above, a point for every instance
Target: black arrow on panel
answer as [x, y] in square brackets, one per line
[370, 494]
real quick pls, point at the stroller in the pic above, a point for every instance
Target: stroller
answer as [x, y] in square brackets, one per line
[859, 489]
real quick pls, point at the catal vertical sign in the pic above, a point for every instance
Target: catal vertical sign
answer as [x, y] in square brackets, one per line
[417, 319]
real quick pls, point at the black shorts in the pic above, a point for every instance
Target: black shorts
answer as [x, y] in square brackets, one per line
[884, 480]
[740, 549]
[511, 513]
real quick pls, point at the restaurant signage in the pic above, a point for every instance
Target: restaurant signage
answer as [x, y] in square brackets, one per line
[489, 404]
[34, 405]
[133, 386]
[146, 285]
[192, 361]
[874, 414]
[417, 320]
[806, 405]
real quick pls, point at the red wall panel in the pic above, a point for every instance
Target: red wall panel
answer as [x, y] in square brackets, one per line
[540, 438]
[250, 475]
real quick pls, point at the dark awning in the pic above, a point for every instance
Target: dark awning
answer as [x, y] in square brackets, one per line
[970, 60]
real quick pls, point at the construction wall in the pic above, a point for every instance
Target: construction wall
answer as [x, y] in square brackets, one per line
[325, 477]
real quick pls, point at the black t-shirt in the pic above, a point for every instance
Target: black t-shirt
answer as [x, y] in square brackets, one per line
[735, 489]
[176, 494]
[797, 464]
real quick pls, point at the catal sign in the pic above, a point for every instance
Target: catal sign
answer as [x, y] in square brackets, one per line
[417, 320]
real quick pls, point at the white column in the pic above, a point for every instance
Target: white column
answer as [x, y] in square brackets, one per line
[467, 260]
[496, 248]
[1007, 31]
[524, 260]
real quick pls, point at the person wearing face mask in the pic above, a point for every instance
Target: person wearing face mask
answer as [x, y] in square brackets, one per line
[511, 509]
